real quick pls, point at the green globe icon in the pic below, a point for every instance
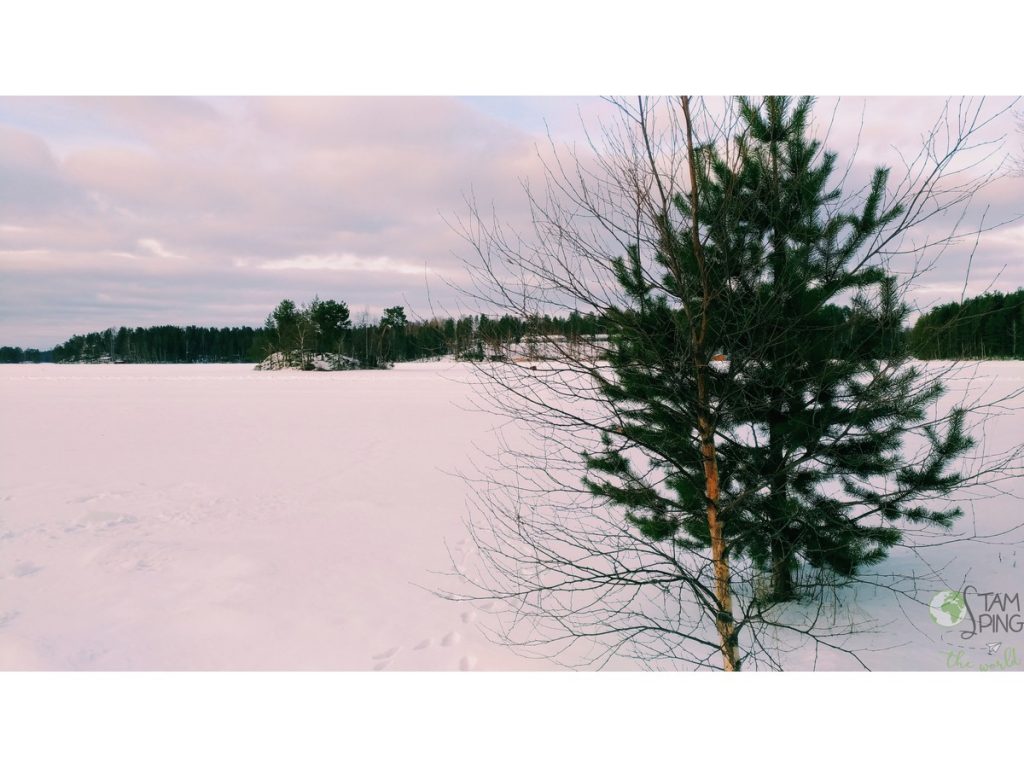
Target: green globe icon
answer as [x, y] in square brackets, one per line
[947, 608]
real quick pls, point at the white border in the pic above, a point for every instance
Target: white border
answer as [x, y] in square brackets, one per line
[530, 47]
[111, 46]
[495, 719]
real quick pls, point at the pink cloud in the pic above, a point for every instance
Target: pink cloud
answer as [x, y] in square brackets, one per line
[325, 194]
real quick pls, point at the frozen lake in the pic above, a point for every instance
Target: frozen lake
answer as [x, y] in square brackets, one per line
[213, 517]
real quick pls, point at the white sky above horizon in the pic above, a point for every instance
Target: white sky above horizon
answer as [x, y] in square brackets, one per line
[209, 210]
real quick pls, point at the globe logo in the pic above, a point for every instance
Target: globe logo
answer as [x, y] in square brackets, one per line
[947, 608]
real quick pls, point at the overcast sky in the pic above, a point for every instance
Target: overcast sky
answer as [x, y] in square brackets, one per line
[143, 211]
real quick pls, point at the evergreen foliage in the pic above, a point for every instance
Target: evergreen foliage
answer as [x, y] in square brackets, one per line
[814, 400]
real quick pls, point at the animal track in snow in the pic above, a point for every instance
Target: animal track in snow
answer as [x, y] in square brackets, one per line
[423, 644]
[468, 617]
[467, 663]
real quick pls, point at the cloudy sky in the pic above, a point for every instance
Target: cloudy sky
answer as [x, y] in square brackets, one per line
[142, 211]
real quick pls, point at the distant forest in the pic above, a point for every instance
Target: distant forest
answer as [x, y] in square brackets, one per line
[318, 328]
[19, 355]
[987, 326]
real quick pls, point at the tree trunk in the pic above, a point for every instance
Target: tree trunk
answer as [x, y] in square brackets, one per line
[783, 583]
[783, 587]
[725, 623]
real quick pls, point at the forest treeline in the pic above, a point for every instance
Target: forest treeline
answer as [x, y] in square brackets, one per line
[19, 355]
[322, 327]
[987, 326]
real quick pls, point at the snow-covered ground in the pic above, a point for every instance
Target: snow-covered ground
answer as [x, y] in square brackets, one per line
[215, 517]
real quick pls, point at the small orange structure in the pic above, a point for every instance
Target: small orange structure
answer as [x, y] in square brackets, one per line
[719, 358]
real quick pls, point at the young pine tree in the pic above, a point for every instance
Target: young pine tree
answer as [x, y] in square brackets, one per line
[812, 406]
[828, 394]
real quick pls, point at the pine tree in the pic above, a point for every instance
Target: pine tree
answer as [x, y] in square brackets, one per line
[812, 404]
[392, 335]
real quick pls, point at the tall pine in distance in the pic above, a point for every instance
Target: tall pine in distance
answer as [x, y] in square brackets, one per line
[795, 358]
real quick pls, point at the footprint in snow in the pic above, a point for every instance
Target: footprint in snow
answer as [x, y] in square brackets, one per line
[468, 617]
[423, 645]
[389, 652]
[26, 568]
[467, 663]
[101, 519]
[96, 497]
[452, 638]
